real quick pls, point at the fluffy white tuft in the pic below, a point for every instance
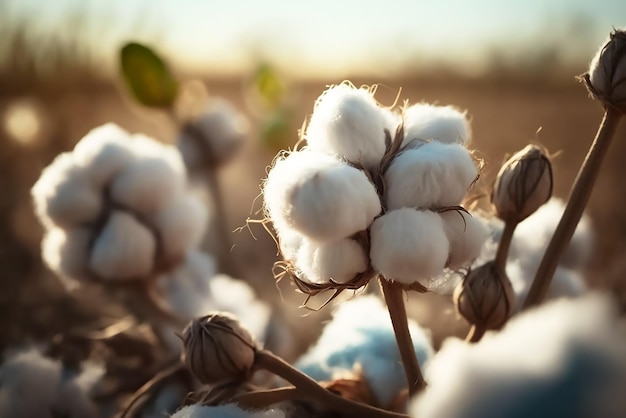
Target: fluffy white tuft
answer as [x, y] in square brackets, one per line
[225, 411]
[348, 123]
[319, 196]
[424, 122]
[66, 251]
[360, 338]
[408, 245]
[289, 241]
[63, 195]
[430, 176]
[466, 235]
[181, 225]
[125, 249]
[576, 367]
[339, 260]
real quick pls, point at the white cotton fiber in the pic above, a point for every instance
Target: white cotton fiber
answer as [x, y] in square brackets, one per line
[360, 336]
[563, 359]
[433, 175]
[63, 194]
[225, 411]
[181, 225]
[466, 235]
[348, 123]
[338, 260]
[320, 196]
[408, 245]
[125, 249]
[425, 122]
[66, 252]
[289, 241]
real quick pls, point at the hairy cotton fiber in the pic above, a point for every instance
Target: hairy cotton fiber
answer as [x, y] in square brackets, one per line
[424, 122]
[66, 252]
[466, 235]
[320, 196]
[125, 249]
[408, 245]
[606, 78]
[339, 261]
[225, 411]
[360, 338]
[563, 359]
[433, 175]
[348, 123]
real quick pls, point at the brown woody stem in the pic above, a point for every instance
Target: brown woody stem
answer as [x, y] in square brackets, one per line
[505, 244]
[579, 196]
[397, 311]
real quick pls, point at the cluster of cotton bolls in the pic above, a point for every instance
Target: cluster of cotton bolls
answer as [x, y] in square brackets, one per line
[117, 208]
[360, 340]
[565, 358]
[400, 177]
[33, 385]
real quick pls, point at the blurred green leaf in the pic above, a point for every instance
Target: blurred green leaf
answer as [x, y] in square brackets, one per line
[147, 76]
[269, 86]
[276, 132]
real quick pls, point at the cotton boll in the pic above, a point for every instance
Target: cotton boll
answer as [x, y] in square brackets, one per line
[339, 261]
[125, 249]
[181, 225]
[63, 196]
[66, 252]
[319, 196]
[348, 123]
[144, 147]
[576, 368]
[289, 241]
[225, 411]
[423, 122]
[408, 245]
[360, 335]
[147, 185]
[433, 175]
[466, 235]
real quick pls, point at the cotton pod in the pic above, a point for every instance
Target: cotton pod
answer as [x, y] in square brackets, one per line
[66, 252]
[181, 225]
[63, 196]
[466, 235]
[348, 123]
[338, 261]
[225, 411]
[320, 196]
[433, 175]
[424, 122]
[125, 249]
[408, 245]
[606, 78]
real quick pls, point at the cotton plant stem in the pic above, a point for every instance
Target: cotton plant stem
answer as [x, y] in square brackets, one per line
[264, 398]
[394, 298]
[504, 245]
[579, 196]
[306, 388]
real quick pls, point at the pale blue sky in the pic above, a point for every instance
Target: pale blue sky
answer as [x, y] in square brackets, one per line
[331, 37]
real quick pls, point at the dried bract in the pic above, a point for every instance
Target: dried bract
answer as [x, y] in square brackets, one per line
[606, 79]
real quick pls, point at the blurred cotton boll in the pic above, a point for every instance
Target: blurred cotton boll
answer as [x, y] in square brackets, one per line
[348, 123]
[424, 122]
[320, 196]
[565, 358]
[433, 175]
[225, 411]
[466, 235]
[409, 246]
[339, 261]
[360, 338]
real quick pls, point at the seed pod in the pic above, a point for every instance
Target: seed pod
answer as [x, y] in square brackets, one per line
[216, 348]
[523, 184]
[485, 297]
[606, 79]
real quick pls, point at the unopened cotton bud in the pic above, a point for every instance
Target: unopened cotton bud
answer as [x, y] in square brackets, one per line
[181, 226]
[63, 195]
[408, 245]
[66, 251]
[339, 261]
[348, 123]
[485, 297]
[320, 196]
[466, 235]
[424, 122]
[433, 175]
[523, 184]
[607, 72]
[147, 185]
[216, 349]
[125, 249]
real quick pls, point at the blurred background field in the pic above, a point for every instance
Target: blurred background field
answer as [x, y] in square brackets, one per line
[512, 67]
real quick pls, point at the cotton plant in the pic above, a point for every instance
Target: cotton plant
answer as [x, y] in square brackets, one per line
[225, 411]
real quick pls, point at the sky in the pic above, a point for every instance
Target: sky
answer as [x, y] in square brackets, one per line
[332, 37]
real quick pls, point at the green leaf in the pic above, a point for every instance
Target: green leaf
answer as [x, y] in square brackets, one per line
[269, 86]
[276, 133]
[147, 76]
